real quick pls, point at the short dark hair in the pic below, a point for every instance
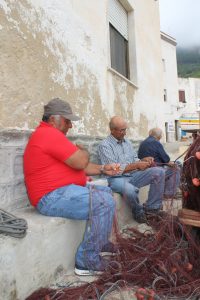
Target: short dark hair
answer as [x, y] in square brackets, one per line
[45, 118]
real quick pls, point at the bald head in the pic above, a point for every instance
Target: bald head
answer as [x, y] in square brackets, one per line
[118, 127]
[116, 122]
[156, 133]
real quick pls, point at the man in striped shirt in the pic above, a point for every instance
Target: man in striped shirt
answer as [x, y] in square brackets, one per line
[134, 173]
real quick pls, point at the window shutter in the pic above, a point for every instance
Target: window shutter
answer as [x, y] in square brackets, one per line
[181, 96]
[118, 17]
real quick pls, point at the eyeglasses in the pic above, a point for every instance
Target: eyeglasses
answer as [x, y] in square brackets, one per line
[121, 130]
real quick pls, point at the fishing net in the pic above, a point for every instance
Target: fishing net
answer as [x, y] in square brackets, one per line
[159, 264]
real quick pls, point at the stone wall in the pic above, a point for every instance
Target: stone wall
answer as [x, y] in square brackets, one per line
[12, 189]
[12, 143]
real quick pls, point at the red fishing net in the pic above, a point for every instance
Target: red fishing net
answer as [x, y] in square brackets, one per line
[159, 264]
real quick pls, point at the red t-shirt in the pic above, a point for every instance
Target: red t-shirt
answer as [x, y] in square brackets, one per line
[44, 167]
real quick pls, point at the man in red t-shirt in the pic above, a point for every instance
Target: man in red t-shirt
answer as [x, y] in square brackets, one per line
[55, 175]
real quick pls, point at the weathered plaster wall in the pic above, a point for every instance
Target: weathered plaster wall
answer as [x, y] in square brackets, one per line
[49, 50]
[61, 48]
[170, 81]
[147, 109]
[191, 86]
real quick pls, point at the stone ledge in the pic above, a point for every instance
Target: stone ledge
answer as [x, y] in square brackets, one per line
[47, 251]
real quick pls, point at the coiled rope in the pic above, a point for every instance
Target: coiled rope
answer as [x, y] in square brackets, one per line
[11, 225]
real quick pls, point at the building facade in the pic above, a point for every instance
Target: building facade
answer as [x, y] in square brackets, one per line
[189, 97]
[71, 49]
[170, 88]
[189, 94]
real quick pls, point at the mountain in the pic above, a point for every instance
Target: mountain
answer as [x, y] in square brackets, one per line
[188, 60]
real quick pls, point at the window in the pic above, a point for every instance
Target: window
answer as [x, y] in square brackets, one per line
[118, 26]
[182, 96]
[119, 52]
[165, 95]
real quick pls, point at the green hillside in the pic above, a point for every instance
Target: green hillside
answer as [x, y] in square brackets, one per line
[188, 60]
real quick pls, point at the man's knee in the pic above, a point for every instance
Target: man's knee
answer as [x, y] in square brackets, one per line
[117, 185]
[158, 171]
[158, 174]
[126, 189]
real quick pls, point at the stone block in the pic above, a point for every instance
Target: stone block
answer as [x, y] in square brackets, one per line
[19, 190]
[6, 163]
[14, 137]
[6, 196]
[18, 164]
[13, 195]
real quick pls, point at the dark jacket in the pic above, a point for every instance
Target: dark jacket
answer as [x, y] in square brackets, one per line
[151, 147]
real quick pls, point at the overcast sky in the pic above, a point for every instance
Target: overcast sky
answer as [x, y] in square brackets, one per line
[181, 19]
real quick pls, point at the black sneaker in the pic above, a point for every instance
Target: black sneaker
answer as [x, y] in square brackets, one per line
[141, 218]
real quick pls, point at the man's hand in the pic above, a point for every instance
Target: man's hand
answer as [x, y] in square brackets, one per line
[143, 165]
[111, 169]
[81, 147]
[171, 164]
[148, 159]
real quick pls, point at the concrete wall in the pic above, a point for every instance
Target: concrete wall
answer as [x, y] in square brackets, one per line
[61, 48]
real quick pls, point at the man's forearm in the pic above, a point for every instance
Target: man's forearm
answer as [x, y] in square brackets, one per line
[93, 169]
[131, 167]
[138, 165]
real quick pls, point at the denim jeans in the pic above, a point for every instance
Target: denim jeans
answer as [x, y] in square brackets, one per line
[129, 187]
[172, 180]
[92, 203]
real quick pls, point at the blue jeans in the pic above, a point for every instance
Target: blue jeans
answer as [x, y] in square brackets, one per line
[129, 186]
[94, 204]
[172, 180]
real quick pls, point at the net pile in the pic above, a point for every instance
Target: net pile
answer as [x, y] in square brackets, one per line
[163, 264]
[166, 262]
